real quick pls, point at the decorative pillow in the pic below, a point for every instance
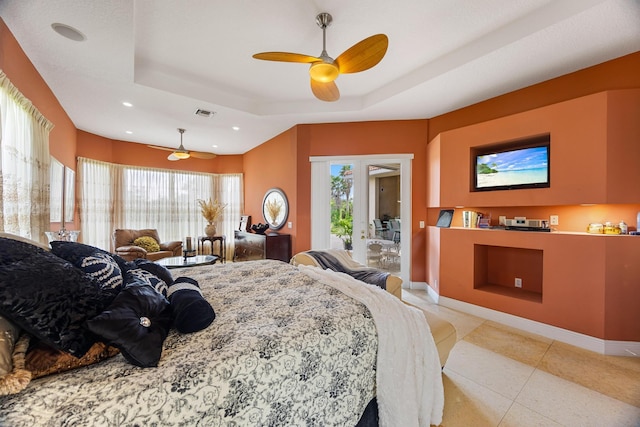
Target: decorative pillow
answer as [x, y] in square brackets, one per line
[8, 337]
[42, 360]
[104, 270]
[156, 269]
[190, 312]
[48, 297]
[16, 380]
[75, 252]
[138, 275]
[147, 243]
[137, 322]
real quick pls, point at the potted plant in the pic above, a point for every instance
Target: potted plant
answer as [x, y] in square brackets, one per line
[211, 211]
[345, 232]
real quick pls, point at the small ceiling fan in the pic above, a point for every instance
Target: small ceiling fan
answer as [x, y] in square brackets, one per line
[324, 69]
[180, 153]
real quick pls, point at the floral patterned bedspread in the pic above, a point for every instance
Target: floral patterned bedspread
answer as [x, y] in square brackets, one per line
[283, 350]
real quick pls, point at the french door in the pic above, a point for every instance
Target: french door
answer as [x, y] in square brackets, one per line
[349, 193]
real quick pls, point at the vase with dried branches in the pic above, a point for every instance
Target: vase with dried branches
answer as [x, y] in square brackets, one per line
[212, 212]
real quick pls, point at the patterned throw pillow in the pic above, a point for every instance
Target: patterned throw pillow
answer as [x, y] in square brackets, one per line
[48, 297]
[107, 269]
[104, 269]
[74, 252]
[159, 270]
[138, 275]
[147, 243]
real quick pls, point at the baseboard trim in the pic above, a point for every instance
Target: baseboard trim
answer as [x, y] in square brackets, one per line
[607, 347]
[422, 286]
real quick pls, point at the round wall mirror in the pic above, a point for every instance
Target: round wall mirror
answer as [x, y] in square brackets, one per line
[275, 208]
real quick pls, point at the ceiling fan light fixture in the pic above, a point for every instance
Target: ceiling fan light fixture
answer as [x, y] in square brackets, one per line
[324, 72]
[181, 154]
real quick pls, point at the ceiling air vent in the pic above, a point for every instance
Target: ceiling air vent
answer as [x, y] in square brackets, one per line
[204, 113]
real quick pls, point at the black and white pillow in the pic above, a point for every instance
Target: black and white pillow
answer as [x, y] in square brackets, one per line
[136, 275]
[154, 268]
[104, 269]
[108, 269]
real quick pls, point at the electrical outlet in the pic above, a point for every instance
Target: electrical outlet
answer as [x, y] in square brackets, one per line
[518, 282]
[421, 224]
[289, 224]
[553, 220]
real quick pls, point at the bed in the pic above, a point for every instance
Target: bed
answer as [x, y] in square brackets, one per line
[288, 346]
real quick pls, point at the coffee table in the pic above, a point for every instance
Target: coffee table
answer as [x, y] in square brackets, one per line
[192, 261]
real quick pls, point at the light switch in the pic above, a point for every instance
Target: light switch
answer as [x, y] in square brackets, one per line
[421, 224]
[289, 224]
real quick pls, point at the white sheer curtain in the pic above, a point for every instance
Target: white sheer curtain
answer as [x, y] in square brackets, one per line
[24, 166]
[97, 184]
[230, 190]
[118, 196]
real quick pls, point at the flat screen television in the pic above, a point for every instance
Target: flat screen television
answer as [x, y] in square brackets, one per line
[515, 165]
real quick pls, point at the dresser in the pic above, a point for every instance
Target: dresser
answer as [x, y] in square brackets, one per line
[251, 246]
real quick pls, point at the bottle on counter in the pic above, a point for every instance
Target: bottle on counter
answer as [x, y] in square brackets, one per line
[623, 228]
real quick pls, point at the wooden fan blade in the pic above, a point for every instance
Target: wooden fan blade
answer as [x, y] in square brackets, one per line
[286, 57]
[161, 148]
[325, 91]
[202, 155]
[363, 55]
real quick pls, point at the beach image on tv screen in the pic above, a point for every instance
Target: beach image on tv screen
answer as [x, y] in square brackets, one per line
[510, 168]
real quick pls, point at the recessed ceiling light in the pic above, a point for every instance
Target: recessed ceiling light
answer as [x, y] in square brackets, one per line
[235, 128]
[128, 131]
[68, 32]
[127, 104]
[214, 146]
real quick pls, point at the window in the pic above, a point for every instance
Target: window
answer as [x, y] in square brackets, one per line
[117, 196]
[24, 166]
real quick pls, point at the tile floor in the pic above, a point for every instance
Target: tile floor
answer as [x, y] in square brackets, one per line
[501, 376]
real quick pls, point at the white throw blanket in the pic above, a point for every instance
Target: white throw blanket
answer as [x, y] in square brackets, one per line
[409, 378]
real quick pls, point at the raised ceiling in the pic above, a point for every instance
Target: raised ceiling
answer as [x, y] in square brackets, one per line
[169, 58]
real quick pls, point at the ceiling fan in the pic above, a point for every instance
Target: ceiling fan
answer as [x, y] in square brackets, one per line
[180, 153]
[324, 69]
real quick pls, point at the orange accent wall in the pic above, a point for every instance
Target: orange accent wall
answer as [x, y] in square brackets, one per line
[576, 281]
[274, 165]
[619, 73]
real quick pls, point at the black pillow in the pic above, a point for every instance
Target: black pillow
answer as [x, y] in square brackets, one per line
[75, 252]
[138, 275]
[104, 270]
[48, 297]
[190, 312]
[137, 322]
[156, 269]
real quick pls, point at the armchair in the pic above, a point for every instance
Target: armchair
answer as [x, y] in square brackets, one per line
[122, 241]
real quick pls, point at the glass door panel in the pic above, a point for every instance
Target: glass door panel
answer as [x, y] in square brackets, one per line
[356, 205]
[341, 227]
[383, 213]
